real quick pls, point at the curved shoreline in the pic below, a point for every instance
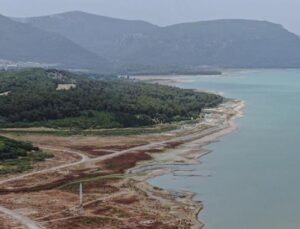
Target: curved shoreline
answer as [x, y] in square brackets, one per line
[183, 146]
[223, 121]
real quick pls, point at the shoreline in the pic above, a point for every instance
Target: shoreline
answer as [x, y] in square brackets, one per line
[223, 121]
[156, 155]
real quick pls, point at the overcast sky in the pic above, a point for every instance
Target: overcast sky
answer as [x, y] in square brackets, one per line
[165, 12]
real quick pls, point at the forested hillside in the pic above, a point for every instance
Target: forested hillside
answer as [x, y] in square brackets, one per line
[51, 98]
[140, 45]
[23, 43]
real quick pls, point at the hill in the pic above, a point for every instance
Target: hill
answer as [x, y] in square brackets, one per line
[52, 98]
[23, 42]
[102, 35]
[138, 45]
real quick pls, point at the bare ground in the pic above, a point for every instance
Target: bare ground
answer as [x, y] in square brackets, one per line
[113, 199]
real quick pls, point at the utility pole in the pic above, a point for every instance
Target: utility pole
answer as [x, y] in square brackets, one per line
[80, 198]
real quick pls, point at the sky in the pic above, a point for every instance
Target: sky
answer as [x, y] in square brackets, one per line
[165, 12]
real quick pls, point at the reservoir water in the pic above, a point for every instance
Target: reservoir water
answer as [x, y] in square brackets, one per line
[252, 177]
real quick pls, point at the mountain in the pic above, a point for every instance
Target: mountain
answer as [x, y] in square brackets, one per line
[114, 38]
[221, 43]
[23, 42]
[233, 43]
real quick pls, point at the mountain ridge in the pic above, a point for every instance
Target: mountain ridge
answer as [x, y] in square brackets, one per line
[135, 44]
[81, 13]
[24, 42]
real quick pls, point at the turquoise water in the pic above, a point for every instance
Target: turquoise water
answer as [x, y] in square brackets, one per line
[254, 173]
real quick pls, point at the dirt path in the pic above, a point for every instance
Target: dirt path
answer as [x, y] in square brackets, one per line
[83, 159]
[207, 133]
[194, 134]
[184, 139]
[86, 159]
[28, 223]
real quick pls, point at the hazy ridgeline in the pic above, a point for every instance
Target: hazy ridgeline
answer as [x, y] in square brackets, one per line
[86, 41]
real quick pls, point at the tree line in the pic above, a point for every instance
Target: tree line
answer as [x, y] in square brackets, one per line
[33, 101]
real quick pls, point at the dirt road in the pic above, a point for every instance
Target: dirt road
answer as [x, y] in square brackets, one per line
[83, 159]
[28, 223]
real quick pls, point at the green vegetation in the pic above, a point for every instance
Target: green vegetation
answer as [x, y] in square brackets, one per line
[86, 180]
[99, 132]
[33, 100]
[92, 220]
[16, 156]
[169, 70]
[11, 149]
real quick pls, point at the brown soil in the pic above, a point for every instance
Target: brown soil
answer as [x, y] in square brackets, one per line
[123, 162]
[59, 158]
[9, 224]
[121, 147]
[109, 202]
[92, 151]
[173, 144]
[126, 200]
[97, 142]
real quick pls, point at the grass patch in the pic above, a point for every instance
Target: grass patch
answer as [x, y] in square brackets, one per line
[105, 132]
[22, 164]
[14, 166]
[17, 156]
[94, 220]
[73, 184]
